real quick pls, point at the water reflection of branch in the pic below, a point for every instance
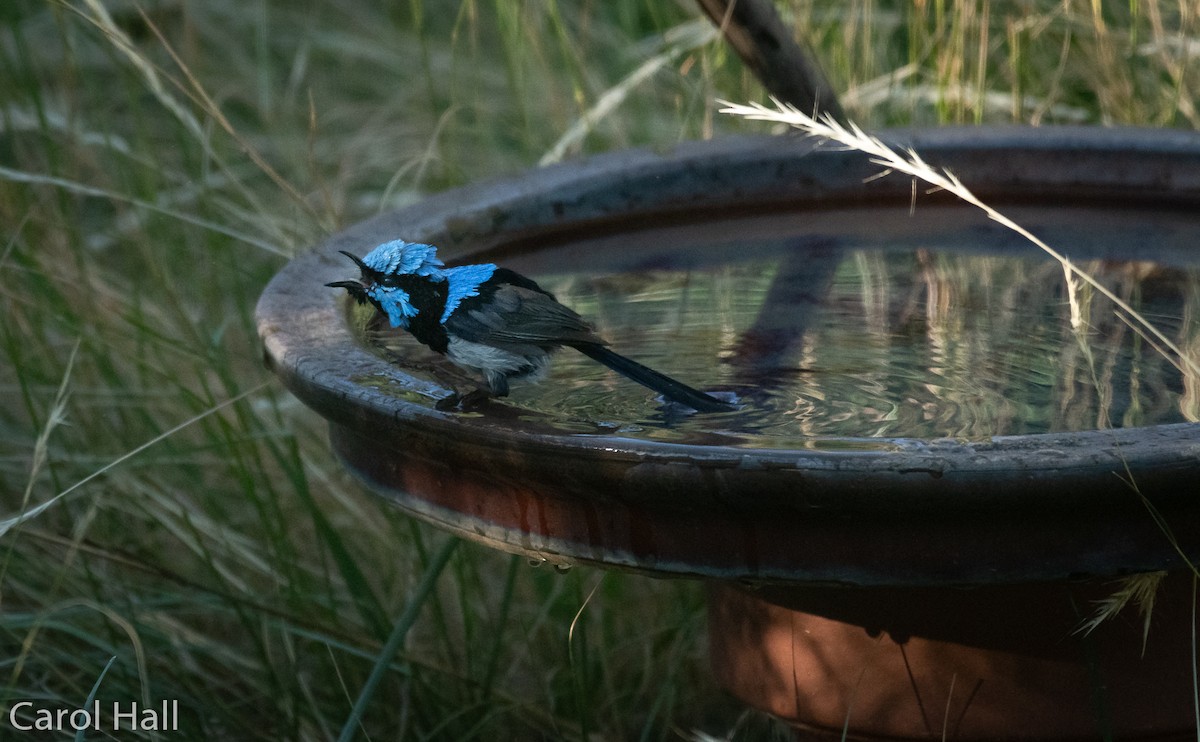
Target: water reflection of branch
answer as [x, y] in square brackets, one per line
[766, 351]
[910, 163]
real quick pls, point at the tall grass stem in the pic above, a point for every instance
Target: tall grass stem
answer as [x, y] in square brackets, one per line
[399, 633]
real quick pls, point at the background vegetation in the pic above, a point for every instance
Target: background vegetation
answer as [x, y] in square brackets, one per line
[160, 160]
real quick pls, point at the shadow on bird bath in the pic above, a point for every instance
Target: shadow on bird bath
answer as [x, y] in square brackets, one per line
[919, 420]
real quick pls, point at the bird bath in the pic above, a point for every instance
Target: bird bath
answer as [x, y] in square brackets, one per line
[929, 479]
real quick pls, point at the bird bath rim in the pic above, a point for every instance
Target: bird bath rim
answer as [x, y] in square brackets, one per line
[868, 485]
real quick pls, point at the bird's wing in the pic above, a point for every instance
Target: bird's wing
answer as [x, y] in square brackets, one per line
[517, 314]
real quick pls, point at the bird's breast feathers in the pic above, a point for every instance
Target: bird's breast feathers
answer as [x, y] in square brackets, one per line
[505, 361]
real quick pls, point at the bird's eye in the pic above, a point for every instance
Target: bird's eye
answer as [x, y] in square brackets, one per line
[391, 281]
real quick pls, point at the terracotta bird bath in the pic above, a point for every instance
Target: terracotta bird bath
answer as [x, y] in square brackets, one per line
[863, 584]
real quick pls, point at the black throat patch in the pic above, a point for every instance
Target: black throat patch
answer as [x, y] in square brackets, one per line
[429, 299]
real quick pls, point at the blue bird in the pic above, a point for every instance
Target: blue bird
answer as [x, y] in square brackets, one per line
[490, 320]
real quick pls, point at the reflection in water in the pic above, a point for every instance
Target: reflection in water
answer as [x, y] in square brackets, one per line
[865, 335]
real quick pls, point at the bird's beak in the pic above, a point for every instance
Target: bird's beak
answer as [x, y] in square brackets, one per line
[357, 261]
[350, 286]
[356, 288]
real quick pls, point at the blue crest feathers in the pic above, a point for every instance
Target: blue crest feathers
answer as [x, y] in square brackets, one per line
[398, 257]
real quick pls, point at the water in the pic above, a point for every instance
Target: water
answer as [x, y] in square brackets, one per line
[856, 325]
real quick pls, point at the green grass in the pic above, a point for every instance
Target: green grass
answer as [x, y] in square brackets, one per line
[158, 162]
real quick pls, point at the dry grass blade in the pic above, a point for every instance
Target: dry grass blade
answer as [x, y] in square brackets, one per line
[685, 38]
[41, 447]
[9, 523]
[69, 186]
[910, 163]
[1140, 590]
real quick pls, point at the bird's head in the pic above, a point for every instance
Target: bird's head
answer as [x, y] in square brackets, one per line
[385, 273]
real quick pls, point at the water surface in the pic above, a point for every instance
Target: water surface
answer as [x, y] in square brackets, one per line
[872, 324]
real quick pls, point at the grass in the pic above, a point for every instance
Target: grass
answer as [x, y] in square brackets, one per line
[159, 161]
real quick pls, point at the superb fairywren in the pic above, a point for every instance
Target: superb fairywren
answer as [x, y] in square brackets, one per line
[491, 320]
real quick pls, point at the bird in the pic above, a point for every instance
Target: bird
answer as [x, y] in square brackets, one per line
[490, 320]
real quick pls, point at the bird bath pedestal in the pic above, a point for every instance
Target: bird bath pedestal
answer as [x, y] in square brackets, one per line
[884, 588]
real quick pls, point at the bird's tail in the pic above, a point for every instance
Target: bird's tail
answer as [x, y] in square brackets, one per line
[673, 390]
